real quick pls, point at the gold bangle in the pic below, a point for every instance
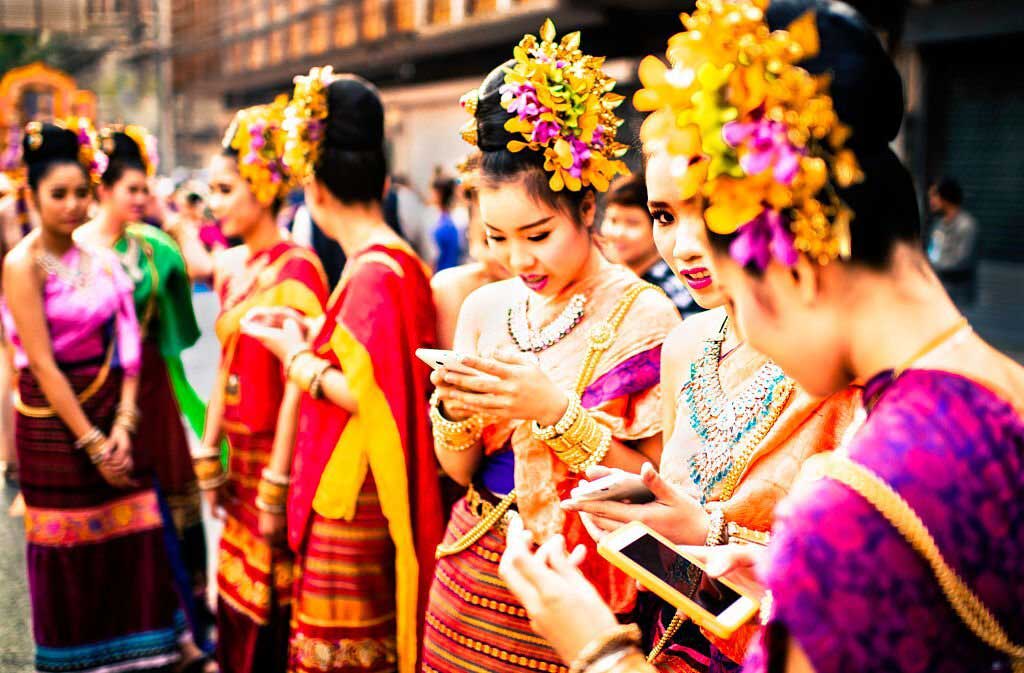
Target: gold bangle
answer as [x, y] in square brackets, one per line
[738, 533]
[456, 436]
[273, 494]
[270, 508]
[316, 383]
[597, 456]
[206, 452]
[213, 483]
[584, 444]
[275, 477]
[207, 468]
[572, 412]
[616, 638]
[88, 438]
[305, 369]
[716, 528]
[289, 361]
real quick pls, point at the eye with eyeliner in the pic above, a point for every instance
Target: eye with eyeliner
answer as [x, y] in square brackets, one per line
[662, 217]
[536, 238]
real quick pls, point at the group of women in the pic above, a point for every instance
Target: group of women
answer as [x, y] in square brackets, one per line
[827, 343]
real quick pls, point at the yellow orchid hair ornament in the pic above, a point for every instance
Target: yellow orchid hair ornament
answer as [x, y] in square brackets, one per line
[752, 133]
[257, 135]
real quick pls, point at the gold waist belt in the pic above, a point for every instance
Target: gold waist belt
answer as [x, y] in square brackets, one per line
[489, 515]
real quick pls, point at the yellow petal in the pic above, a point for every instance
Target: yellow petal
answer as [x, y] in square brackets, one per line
[571, 41]
[547, 31]
[564, 152]
[555, 182]
[516, 146]
[804, 32]
[652, 72]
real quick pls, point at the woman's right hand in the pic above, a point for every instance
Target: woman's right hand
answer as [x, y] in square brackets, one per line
[449, 407]
[214, 498]
[116, 476]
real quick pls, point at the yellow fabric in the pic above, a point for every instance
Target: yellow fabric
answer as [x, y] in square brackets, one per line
[371, 441]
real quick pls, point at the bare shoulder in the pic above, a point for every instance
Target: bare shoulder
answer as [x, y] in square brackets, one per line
[493, 296]
[22, 256]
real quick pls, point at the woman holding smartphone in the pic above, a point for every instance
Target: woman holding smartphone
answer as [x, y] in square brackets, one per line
[870, 568]
[566, 353]
[253, 405]
[364, 509]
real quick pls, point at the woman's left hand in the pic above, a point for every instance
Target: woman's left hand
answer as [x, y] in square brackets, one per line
[564, 607]
[273, 527]
[509, 386]
[282, 341]
[673, 513]
[119, 450]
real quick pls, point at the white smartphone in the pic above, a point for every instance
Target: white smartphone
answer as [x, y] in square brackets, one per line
[715, 604]
[615, 486]
[450, 360]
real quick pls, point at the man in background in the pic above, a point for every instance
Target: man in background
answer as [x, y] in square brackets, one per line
[953, 243]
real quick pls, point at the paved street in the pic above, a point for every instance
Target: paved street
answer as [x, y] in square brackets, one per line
[15, 626]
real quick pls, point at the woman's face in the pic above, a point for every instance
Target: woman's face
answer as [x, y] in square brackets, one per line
[628, 236]
[126, 199]
[679, 233]
[62, 199]
[231, 199]
[477, 238]
[542, 245]
[793, 316]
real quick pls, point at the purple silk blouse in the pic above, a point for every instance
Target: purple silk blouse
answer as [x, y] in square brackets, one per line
[851, 590]
[83, 317]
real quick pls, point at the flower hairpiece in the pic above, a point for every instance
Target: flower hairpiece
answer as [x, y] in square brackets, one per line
[145, 141]
[562, 104]
[751, 132]
[92, 158]
[304, 122]
[257, 134]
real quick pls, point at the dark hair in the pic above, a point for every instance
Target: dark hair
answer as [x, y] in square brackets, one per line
[498, 165]
[867, 92]
[950, 191]
[628, 190]
[352, 164]
[445, 190]
[124, 155]
[54, 146]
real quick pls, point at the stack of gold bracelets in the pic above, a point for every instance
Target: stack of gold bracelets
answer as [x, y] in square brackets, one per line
[456, 436]
[209, 470]
[577, 439]
[93, 443]
[306, 370]
[272, 492]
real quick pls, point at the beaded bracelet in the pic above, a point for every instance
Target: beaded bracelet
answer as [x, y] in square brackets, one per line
[618, 637]
[716, 528]
[572, 413]
[89, 438]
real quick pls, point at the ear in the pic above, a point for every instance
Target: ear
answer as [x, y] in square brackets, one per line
[806, 277]
[588, 210]
[387, 188]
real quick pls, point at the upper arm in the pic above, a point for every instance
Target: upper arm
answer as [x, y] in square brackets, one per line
[681, 347]
[23, 292]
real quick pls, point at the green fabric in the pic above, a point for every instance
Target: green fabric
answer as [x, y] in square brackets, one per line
[173, 323]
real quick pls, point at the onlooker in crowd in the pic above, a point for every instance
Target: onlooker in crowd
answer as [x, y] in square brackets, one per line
[447, 235]
[627, 238]
[404, 209]
[953, 244]
[306, 232]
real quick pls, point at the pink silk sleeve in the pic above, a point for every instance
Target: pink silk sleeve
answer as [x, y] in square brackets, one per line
[127, 333]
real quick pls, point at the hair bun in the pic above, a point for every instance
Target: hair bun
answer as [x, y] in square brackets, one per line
[355, 115]
[44, 142]
[490, 115]
[866, 88]
[119, 146]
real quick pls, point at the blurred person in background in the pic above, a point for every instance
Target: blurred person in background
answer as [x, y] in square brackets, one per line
[447, 235]
[10, 234]
[627, 237]
[953, 243]
[405, 212]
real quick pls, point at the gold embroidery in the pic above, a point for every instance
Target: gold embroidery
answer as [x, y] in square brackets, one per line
[329, 655]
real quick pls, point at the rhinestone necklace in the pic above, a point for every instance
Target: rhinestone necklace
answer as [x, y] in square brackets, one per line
[725, 425]
[529, 340]
[77, 277]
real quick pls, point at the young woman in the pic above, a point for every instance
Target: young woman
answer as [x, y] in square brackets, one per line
[364, 511]
[628, 238]
[163, 304]
[726, 475]
[902, 551]
[567, 355]
[101, 590]
[253, 405]
[451, 286]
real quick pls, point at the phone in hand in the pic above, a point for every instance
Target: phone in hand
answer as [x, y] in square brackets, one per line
[619, 485]
[450, 360]
[714, 604]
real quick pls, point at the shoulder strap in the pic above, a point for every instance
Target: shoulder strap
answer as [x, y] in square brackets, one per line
[858, 478]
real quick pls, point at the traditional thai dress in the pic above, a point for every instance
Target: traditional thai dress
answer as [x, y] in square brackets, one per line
[254, 580]
[849, 587]
[474, 623]
[101, 589]
[743, 429]
[163, 304]
[365, 513]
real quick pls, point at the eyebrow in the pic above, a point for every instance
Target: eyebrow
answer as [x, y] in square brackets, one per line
[657, 204]
[531, 225]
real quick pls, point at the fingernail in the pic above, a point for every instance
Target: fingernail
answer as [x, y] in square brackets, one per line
[569, 506]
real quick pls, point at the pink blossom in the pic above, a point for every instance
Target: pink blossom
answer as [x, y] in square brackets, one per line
[764, 237]
[545, 131]
[523, 100]
[597, 141]
[580, 156]
[768, 146]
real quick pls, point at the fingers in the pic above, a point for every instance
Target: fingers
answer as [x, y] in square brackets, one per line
[595, 531]
[475, 384]
[489, 366]
[609, 509]
[598, 471]
[510, 357]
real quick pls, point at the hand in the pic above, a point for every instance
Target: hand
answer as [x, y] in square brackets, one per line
[674, 513]
[509, 386]
[734, 562]
[116, 478]
[214, 498]
[119, 450]
[273, 527]
[275, 316]
[554, 592]
[282, 341]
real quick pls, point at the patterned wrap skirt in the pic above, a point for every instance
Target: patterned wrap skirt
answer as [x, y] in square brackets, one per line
[343, 615]
[474, 623]
[254, 579]
[100, 584]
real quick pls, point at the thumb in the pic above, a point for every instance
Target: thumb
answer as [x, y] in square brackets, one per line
[662, 490]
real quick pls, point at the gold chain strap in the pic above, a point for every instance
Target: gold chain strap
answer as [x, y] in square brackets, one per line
[601, 337]
[978, 618]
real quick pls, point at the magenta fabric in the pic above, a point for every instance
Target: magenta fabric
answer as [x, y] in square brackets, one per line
[80, 318]
[851, 590]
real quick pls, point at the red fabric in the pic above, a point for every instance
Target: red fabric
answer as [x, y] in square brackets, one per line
[391, 315]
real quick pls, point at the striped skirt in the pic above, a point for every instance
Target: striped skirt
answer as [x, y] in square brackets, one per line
[101, 590]
[254, 580]
[343, 618]
[474, 623]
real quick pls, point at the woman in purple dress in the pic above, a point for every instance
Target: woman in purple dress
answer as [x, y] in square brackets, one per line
[903, 551]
